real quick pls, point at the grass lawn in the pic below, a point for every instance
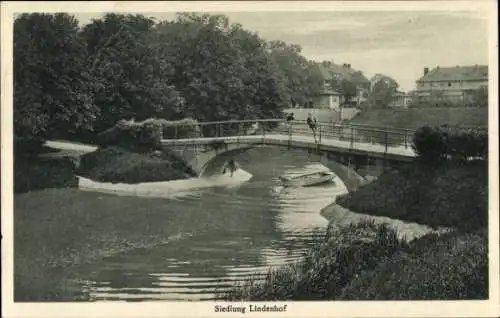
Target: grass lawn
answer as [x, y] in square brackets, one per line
[414, 118]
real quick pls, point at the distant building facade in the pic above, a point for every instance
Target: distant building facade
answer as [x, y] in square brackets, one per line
[452, 84]
[329, 98]
[333, 74]
[400, 100]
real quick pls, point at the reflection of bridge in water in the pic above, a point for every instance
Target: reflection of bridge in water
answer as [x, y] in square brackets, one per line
[345, 149]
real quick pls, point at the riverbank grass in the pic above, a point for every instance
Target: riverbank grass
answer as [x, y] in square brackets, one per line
[326, 268]
[368, 262]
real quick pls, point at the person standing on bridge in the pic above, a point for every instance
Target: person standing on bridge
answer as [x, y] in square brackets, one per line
[312, 122]
[290, 118]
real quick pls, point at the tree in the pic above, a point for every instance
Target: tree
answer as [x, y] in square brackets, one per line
[480, 97]
[303, 78]
[52, 86]
[348, 90]
[222, 70]
[131, 75]
[382, 92]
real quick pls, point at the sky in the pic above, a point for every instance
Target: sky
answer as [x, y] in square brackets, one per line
[395, 43]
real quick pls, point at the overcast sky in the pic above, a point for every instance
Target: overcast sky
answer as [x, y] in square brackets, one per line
[399, 44]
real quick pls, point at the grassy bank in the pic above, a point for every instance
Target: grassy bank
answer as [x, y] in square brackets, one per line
[450, 195]
[36, 172]
[368, 262]
[416, 117]
[114, 164]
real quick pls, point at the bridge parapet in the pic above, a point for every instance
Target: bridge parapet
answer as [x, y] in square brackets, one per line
[351, 133]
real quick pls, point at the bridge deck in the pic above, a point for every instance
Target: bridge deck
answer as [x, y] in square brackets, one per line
[299, 141]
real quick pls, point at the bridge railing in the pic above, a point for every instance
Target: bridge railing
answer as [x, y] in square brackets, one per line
[353, 134]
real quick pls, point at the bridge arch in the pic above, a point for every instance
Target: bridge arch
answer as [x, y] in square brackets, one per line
[344, 166]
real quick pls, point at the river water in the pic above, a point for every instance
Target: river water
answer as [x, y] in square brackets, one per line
[228, 231]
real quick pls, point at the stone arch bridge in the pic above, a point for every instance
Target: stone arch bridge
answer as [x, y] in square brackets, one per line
[347, 150]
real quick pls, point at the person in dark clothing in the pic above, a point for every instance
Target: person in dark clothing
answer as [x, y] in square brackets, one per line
[290, 117]
[311, 122]
[232, 166]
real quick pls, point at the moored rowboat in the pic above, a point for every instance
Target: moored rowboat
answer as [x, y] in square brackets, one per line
[308, 179]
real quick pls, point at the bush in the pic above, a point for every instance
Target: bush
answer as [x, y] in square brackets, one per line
[114, 164]
[178, 129]
[429, 143]
[463, 143]
[456, 143]
[147, 135]
[36, 174]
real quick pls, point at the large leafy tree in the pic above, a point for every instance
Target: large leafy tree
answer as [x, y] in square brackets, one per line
[52, 85]
[131, 75]
[222, 70]
[382, 91]
[303, 78]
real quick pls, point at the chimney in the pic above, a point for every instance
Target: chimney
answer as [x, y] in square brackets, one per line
[426, 70]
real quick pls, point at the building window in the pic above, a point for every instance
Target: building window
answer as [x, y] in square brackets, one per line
[449, 84]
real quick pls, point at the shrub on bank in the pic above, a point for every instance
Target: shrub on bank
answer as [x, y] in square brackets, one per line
[147, 135]
[36, 174]
[429, 143]
[184, 128]
[113, 164]
[435, 143]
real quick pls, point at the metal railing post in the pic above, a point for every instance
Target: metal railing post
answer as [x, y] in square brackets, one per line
[386, 137]
[406, 139]
[320, 129]
[352, 137]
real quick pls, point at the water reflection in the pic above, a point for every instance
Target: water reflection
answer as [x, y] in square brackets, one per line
[239, 232]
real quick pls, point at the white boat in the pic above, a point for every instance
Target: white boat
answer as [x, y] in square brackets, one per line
[308, 179]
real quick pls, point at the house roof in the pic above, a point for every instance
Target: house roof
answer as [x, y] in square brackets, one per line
[457, 73]
[345, 72]
[329, 91]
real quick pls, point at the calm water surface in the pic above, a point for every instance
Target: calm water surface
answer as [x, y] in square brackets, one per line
[234, 231]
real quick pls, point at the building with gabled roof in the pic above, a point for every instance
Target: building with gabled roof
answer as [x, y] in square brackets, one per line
[453, 84]
[333, 74]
